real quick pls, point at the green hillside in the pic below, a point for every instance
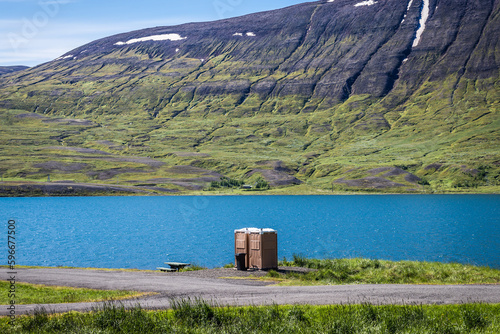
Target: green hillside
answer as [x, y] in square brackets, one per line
[339, 100]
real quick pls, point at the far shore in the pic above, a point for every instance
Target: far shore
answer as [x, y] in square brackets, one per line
[74, 189]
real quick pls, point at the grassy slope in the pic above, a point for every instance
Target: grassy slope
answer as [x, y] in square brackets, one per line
[317, 152]
[365, 271]
[449, 124]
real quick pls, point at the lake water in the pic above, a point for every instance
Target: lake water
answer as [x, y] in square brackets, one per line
[144, 232]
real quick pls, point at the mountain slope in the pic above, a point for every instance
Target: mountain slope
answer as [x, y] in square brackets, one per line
[331, 90]
[11, 69]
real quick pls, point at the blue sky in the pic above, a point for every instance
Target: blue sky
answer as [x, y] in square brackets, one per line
[35, 31]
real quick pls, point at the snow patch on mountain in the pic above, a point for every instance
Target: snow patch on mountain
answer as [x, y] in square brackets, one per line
[423, 21]
[165, 37]
[366, 3]
[66, 57]
[249, 34]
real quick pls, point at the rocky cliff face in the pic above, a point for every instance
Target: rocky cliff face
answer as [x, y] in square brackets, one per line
[338, 70]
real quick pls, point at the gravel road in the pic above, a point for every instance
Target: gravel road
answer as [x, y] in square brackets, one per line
[215, 286]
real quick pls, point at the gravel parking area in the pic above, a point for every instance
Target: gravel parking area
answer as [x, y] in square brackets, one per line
[232, 272]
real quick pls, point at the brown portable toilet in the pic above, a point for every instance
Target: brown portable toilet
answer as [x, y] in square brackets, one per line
[263, 248]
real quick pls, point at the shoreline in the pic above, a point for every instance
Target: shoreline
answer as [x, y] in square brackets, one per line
[9, 189]
[240, 273]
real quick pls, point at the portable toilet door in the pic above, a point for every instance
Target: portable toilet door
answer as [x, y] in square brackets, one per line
[263, 247]
[241, 244]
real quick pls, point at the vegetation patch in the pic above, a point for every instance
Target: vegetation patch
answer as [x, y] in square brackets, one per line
[198, 316]
[366, 271]
[227, 183]
[43, 294]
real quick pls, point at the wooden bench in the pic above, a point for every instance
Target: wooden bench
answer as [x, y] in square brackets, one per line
[168, 270]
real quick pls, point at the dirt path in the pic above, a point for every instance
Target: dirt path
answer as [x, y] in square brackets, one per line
[223, 291]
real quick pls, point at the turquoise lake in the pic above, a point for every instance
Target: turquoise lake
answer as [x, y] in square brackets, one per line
[144, 232]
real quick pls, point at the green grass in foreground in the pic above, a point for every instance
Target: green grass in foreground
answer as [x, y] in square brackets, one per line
[42, 294]
[365, 271]
[201, 317]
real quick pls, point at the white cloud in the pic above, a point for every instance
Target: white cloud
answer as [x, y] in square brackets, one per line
[57, 38]
[27, 57]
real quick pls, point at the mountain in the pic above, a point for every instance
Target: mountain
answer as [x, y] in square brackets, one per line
[339, 95]
[10, 69]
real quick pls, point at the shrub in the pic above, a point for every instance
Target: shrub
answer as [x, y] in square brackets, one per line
[273, 273]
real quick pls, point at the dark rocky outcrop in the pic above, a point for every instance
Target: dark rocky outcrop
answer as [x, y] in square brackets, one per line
[370, 182]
